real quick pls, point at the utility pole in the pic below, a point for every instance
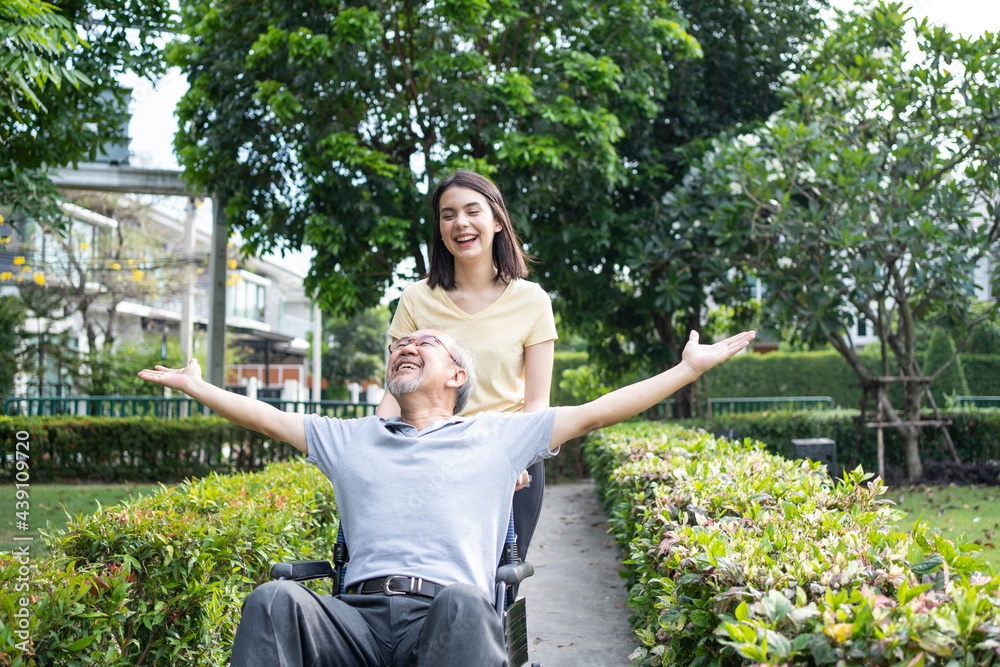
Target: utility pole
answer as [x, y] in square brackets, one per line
[317, 349]
[217, 289]
[190, 278]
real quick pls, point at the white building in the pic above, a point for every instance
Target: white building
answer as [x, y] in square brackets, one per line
[268, 315]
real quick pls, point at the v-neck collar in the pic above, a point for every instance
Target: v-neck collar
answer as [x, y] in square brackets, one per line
[485, 311]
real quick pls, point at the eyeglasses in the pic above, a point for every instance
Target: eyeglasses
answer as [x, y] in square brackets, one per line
[423, 341]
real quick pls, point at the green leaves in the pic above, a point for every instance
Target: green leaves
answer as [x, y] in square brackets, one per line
[159, 579]
[825, 584]
[317, 122]
[60, 99]
[857, 202]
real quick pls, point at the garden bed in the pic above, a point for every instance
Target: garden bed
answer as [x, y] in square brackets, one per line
[736, 556]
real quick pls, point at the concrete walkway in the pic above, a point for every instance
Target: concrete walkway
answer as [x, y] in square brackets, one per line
[577, 615]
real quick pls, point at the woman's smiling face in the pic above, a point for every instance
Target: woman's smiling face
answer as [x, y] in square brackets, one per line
[467, 224]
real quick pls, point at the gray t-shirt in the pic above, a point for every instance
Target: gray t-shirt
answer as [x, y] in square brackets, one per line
[433, 504]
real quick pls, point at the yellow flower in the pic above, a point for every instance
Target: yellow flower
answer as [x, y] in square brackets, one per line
[840, 632]
[84, 245]
[137, 275]
[18, 261]
[232, 263]
[116, 266]
[25, 268]
[1, 219]
[40, 279]
[131, 262]
[4, 240]
[6, 275]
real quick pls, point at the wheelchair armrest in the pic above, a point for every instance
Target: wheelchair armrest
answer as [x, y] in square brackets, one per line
[514, 574]
[303, 570]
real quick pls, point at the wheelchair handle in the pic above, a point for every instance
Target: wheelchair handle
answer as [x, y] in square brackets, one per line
[514, 574]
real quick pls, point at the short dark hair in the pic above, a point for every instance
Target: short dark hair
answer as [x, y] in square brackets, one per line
[508, 254]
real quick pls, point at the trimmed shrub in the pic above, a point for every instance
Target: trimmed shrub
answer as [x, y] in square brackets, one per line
[146, 449]
[985, 339]
[982, 372]
[975, 434]
[952, 379]
[158, 580]
[56, 612]
[736, 556]
[826, 373]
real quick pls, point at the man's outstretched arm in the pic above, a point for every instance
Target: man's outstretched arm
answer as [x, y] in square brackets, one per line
[619, 405]
[247, 412]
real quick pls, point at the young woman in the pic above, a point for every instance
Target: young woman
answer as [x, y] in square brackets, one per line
[475, 290]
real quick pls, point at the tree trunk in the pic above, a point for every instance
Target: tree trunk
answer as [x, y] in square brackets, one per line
[911, 448]
[908, 432]
[684, 401]
[912, 394]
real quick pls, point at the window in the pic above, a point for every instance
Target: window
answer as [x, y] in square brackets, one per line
[247, 298]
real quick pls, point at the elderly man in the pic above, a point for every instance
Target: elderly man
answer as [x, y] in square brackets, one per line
[424, 500]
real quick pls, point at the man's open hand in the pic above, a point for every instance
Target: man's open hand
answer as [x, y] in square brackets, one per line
[182, 379]
[702, 357]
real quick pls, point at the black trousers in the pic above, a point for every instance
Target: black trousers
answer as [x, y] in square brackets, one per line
[284, 624]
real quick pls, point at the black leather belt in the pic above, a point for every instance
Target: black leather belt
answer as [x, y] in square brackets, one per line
[397, 584]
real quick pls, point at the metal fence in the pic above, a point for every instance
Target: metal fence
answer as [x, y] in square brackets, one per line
[977, 401]
[158, 406]
[722, 406]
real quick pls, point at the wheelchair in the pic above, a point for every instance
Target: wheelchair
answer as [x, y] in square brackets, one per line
[511, 571]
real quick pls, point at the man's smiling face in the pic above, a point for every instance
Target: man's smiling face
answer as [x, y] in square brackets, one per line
[414, 356]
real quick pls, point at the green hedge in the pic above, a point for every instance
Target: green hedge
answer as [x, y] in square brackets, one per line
[736, 556]
[975, 434]
[114, 449]
[982, 372]
[158, 580]
[827, 373]
[564, 361]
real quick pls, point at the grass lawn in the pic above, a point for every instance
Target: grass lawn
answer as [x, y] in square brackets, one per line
[961, 513]
[50, 502]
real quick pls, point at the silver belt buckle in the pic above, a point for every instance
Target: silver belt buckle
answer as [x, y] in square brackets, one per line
[390, 579]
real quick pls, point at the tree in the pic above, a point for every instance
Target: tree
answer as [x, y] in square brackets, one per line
[872, 194]
[632, 276]
[45, 354]
[60, 99]
[326, 123]
[11, 314]
[354, 348]
[83, 270]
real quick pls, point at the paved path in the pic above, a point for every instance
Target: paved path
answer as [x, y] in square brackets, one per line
[577, 615]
